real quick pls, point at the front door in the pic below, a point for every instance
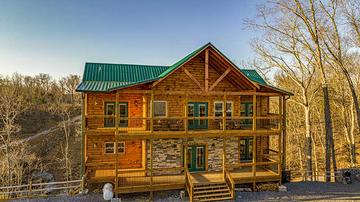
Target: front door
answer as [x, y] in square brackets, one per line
[196, 158]
[246, 149]
[198, 109]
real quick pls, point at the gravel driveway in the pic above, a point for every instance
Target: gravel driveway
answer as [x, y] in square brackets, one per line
[297, 191]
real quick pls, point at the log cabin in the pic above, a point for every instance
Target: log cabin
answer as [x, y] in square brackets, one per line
[201, 124]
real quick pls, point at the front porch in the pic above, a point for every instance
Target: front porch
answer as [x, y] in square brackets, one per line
[138, 181]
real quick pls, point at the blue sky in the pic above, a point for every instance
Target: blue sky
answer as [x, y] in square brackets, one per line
[58, 37]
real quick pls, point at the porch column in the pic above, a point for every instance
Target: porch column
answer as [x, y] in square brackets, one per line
[117, 118]
[151, 140]
[280, 123]
[224, 134]
[254, 143]
[283, 133]
[185, 149]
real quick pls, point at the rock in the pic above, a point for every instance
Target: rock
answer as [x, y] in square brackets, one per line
[243, 189]
[182, 195]
[282, 188]
[357, 177]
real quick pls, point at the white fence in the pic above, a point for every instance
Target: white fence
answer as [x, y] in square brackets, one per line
[38, 189]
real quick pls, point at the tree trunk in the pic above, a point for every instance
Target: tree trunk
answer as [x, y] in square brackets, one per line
[352, 138]
[308, 144]
[328, 134]
[357, 110]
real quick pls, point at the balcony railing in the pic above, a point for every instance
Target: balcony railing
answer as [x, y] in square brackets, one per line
[186, 124]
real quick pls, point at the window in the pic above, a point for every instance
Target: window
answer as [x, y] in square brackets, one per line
[246, 109]
[121, 147]
[228, 109]
[191, 113]
[110, 110]
[218, 108]
[160, 108]
[109, 148]
[123, 110]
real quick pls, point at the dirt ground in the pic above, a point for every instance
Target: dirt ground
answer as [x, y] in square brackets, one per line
[297, 191]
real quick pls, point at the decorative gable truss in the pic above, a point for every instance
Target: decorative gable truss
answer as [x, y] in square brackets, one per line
[214, 61]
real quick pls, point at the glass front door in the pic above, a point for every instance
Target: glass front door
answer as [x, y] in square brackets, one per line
[246, 149]
[198, 109]
[196, 158]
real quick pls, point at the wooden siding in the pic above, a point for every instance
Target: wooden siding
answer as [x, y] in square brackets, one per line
[132, 158]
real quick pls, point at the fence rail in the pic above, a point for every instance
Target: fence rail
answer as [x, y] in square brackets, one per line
[28, 190]
[316, 176]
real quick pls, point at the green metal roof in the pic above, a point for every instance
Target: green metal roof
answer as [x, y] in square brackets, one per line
[253, 76]
[104, 77]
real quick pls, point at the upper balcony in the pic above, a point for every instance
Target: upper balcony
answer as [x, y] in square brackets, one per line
[174, 115]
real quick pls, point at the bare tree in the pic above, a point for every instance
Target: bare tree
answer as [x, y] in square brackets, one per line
[11, 105]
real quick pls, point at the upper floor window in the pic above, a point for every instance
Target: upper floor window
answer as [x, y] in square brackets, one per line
[218, 108]
[110, 110]
[160, 109]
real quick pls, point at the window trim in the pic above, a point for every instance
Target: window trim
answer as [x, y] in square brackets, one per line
[119, 103]
[113, 143]
[121, 142]
[166, 109]
[222, 108]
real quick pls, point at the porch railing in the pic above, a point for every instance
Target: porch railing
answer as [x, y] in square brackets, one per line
[182, 124]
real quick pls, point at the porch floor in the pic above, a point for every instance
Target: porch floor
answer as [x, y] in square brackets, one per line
[136, 181]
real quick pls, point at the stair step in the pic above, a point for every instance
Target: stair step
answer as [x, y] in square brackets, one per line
[213, 195]
[210, 184]
[211, 187]
[214, 199]
[211, 191]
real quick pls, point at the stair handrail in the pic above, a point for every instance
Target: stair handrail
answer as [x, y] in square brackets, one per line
[230, 183]
[189, 185]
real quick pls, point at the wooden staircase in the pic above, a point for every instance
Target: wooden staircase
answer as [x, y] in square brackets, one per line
[211, 192]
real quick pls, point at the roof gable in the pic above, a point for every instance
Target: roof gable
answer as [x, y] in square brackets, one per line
[105, 77]
[193, 54]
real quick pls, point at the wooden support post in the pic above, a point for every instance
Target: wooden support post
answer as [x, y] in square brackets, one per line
[151, 143]
[206, 70]
[254, 162]
[117, 120]
[224, 139]
[283, 133]
[151, 167]
[254, 143]
[186, 133]
[280, 136]
[83, 145]
[254, 112]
